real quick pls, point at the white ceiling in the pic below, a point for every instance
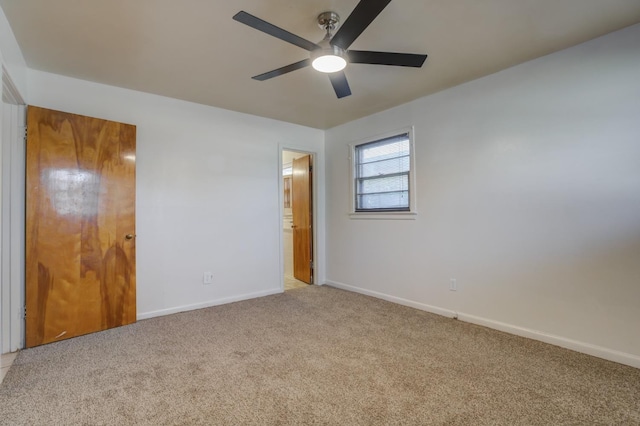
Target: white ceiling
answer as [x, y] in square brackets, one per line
[193, 50]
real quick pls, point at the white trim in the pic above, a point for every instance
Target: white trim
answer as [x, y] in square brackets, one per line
[17, 218]
[10, 93]
[5, 229]
[12, 216]
[208, 304]
[384, 215]
[400, 301]
[280, 220]
[413, 203]
[586, 348]
[582, 347]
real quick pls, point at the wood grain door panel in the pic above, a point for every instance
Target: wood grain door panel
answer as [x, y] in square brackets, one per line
[301, 209]
[80, 266]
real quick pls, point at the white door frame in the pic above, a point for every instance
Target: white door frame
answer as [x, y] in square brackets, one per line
[12, 216]
[314, 209]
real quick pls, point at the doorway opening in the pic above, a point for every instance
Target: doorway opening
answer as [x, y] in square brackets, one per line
[297, 219]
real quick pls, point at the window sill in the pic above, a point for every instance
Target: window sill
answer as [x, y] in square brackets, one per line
[384, 215]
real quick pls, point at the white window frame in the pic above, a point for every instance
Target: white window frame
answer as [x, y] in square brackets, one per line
[394, 215]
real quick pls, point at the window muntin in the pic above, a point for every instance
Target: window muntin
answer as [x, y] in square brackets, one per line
[382, 178]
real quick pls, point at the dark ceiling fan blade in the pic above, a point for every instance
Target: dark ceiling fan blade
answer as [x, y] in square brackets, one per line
[272, 30]
[340, 84]
[386, 58]
[283, 70]
[364, 13]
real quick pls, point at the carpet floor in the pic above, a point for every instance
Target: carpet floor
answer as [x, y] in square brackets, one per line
[316, 355]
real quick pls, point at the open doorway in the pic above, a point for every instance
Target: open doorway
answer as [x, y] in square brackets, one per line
[297, 224]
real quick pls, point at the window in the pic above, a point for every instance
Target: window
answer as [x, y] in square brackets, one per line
[383, 176]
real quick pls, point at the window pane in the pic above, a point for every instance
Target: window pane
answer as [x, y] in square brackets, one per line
[382, 174]
[384, 184]
[389, 200]
[386, 148]
[384, 167]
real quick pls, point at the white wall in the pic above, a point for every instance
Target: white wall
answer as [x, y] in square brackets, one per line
[528, 185]
[207, 191]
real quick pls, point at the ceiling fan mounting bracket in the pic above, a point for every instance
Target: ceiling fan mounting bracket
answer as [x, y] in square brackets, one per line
[328, 21]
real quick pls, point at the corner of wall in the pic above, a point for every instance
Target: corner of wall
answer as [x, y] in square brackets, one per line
[11, 56]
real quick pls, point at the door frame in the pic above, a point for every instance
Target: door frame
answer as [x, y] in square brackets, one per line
[12, 202]
[314, 212]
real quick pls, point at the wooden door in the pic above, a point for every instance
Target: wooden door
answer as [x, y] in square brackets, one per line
[301, 208]
[80, 225]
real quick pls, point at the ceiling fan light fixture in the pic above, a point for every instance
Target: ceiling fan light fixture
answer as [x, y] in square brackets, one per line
[329, 63]
[329, 58]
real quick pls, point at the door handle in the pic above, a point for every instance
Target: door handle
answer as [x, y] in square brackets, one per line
[128, 236]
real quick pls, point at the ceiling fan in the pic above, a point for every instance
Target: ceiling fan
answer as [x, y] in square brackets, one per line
[331, 55]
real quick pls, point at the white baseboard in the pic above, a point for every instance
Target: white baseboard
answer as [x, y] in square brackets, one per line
[586, 348]
[207, 304]
[400, 301]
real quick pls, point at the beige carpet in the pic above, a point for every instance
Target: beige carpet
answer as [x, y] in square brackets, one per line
[316, 355]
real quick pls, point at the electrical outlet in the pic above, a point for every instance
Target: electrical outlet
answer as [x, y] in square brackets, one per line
[453, 285]
[207, 278]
